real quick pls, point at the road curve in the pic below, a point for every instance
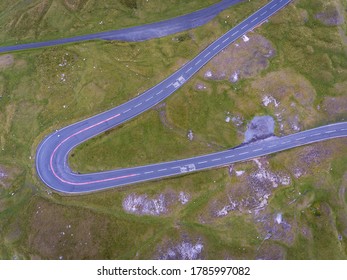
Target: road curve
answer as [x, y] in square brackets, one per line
[139, 33]
[52, 154]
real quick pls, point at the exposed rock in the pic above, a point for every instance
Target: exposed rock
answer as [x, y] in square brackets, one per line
[185, 250]
[190, 135]
[260, 128]
[242, 60]
[159, 205]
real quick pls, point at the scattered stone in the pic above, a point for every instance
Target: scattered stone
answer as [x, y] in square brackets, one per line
[239, 172]
[190, 135]
[234, 77]
[245, 38]
[185, 250]
[227, 119]
[183, 198]
[159, 205]
[270, 99]
[200, 87]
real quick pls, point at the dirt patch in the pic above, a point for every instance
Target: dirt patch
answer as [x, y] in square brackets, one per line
[6, 61]
[270, 251]
[335, 106]
[7, 175]
[244, 59]
[331, 14]
[159, 205]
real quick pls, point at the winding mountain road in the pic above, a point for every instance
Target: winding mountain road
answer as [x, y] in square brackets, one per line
[52, 154]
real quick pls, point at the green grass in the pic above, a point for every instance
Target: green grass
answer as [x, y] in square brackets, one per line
[52, 19]
[99, 75]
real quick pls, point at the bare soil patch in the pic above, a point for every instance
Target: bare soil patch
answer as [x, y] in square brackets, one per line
[6, 61]
[244, 59]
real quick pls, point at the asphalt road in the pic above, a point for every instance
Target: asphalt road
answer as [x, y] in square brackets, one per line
[139, 33]
[52, 153]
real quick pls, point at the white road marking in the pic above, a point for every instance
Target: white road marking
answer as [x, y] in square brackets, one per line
[235, 33]
[202, 162]
[343, 129]
[169, 85]
[225, 40]
[176, 167]
[230, 156]
[149, 99]
[164, 169]
[254, 20]
[273, 6]
[198, 62]
[301, 138]
[263, 13]
[316, 134]
[216, 159]
[126, 111]
[206, 55]
[149, 172]
[257, 150]
[243, 27]
[189, 70]
[138, 105]
[330, 131]
[272, 146]
[216, 47]
[286, 142]
[243, 153]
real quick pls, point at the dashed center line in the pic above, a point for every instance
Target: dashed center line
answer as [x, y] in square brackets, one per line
[169, 85]
[138, 105]
[317, 134]
[216, 47]
[272, 146]
[330, 131]
[235, 33]
[257, 150]
[216, 159]
[206, 55]
[189, 70]
[149, 172]
[263, 13]
[225, 40]
[301, 138]
[198, 62]
[243, 153]
[164, 169]
[243, 27]
[126, 111]
[149, 98]
[202, 162]
[254, 20]
[230, 156]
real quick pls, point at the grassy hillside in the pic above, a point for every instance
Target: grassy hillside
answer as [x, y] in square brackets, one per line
[289, 205]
